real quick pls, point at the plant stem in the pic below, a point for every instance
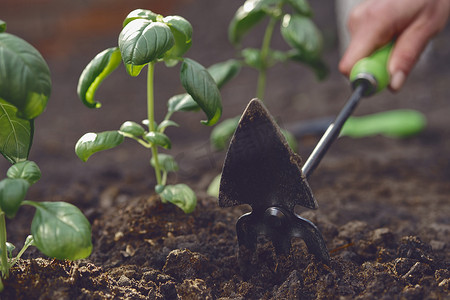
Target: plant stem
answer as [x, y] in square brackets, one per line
[4, 255]
[151, 116]
[262, 76]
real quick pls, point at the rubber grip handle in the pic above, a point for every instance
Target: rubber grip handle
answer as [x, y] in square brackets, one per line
[373, 70]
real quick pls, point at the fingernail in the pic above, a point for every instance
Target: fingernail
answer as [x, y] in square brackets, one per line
[397, 80]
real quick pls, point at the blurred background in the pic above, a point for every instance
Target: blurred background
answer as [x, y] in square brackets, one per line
[70, 33]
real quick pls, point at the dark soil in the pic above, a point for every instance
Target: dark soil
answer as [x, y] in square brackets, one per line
[384, 209]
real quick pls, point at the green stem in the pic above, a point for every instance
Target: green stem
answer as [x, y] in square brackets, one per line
[4, 255]
[262, 76]
[151, 116]
[29, 241]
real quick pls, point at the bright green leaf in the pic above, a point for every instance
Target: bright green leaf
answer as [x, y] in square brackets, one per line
[143, 41]
[222, 133]
[95, 72]
[181, 195]
[91, 143]
[214, 187]
[16, 134]
[12, 193]
[164, 124]
[24, 76]
[182, 102]
[182, 33]
[140, 14]
[166, 162]
[2, 26]
[224, 71]
[60, 230]
[27, 170]
[201, 86]
[301, 33]
[301, 7]
[132, 128]
[159, 139]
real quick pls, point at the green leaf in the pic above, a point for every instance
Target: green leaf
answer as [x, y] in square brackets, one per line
[182, 102]
[201, 86]
[301, 33]
[2, 26]
[132, 128]
[181, 195]
[91, 143]
[166, 162]
[214, 187]
[139, 14]
[60, 230]
[24, 76]
[316, 63]
[95, 72]
[164, 124]
[27, 170]
[182, 33]
[159, 139]
[143, 41]
[301, 6]
[222, 133]
[247, 16]
[224, 71]
[12, 193]
[16, 134]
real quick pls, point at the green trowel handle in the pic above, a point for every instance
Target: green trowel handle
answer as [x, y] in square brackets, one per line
[373, 70]
[394, 123]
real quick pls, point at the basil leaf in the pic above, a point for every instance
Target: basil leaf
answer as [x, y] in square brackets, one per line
[166, 162]
[95, 72]
[24, 76]
[159, 139]
[2, 26]
[301, 33]
[143, 41]
[140, 14]
[316, 63]
[182, 33]
[181, 195]
[132, 128]
[164, 124]
[91, 143]
[222, 133]
[245, 18]
[201, 86]
[224, 71]
[301, 7]
[16, 134]
[182, 102]
[27, 170]
[60, 230]
[12, 193]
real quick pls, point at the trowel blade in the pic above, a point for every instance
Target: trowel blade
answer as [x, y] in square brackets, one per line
[260, 168]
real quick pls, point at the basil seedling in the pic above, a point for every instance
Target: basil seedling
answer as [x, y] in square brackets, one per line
[146, 39]
[58, 229]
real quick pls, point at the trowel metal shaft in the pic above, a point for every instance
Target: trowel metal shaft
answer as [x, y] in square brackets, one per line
[334, 129]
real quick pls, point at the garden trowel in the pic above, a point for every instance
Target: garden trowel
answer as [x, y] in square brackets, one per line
[261, 170]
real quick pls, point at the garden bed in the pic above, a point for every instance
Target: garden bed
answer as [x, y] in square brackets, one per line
[384, 210]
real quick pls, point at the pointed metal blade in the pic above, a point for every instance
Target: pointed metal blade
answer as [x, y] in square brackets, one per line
[260, 169]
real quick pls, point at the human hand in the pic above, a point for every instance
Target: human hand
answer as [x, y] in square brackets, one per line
[412, 23]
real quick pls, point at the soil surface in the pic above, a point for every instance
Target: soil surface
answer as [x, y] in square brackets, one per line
[384, 208]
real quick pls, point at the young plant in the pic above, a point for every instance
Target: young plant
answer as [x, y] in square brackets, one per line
[298, 31]
[58, 229]
[146, 39]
